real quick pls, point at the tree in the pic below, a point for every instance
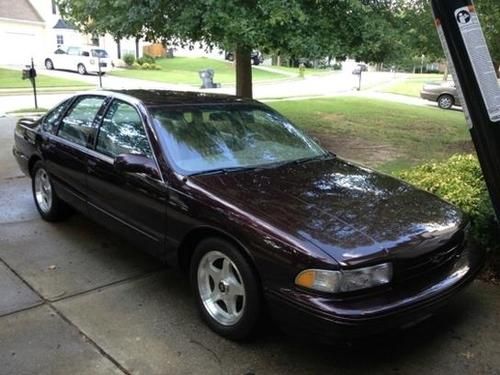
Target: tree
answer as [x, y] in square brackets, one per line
[489, 12]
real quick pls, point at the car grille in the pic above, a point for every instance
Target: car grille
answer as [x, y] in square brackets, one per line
[103, 65]
[434, 262]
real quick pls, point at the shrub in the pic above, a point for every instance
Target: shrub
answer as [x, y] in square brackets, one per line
[148, 59]
[129, 59]
[460, 181]
[145, 66]
[155, 67]
[337, 66]
[136, 65]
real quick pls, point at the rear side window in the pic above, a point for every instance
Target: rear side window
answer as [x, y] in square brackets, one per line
[76, 126]
[50, 121]
[122, 132]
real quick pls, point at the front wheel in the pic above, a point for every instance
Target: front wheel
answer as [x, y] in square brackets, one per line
[48, 204]
[49, 65]
[226, 289]
[81, 69]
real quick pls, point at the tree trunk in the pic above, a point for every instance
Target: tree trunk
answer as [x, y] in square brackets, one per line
[446, 72]
[243, 72]
[497, 65]
[118, 48]
[137, 47]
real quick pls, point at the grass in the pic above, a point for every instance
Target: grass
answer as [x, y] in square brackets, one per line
[384, 135]
[11, 79]
[184, 70]
[413, 85]
[307, 71]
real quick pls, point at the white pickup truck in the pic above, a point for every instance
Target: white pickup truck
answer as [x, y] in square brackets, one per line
[81, 59]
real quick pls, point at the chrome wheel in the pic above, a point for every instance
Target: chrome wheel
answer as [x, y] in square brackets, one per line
[445, 102]
[81, 69]
[221, 288]
[43, 190]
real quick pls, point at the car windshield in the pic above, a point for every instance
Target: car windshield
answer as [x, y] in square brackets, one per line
[99, 53]
[203, 139]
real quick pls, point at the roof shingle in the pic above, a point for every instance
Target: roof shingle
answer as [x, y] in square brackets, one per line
[19, 10]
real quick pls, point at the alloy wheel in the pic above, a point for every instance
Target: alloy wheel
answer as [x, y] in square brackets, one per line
[221, 288]
[43, 190]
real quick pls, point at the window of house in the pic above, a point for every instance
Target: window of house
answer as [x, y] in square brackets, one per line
[60, 40]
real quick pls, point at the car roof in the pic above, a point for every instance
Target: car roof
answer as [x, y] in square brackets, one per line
[167, 97]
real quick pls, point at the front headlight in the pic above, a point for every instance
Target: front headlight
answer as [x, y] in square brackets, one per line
[346, 280]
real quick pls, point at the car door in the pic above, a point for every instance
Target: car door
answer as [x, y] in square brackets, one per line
[65, 152]
[133, 204]
[71, 58]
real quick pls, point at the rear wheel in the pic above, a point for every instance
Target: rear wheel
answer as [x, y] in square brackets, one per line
[48, 204]
[81, 69]
[226, 289]
[49, 65]
[446, 101]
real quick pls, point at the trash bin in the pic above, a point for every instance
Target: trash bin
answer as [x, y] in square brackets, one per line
[207, 79]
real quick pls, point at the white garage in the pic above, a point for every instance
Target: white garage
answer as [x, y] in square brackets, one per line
[22, 32]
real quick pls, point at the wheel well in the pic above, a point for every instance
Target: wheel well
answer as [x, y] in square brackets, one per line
[32, 162]
[193, 238]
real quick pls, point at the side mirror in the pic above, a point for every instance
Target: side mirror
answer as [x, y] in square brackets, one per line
[134, 163]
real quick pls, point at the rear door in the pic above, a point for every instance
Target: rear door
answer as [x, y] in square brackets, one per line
[65, 153]
[132, 203]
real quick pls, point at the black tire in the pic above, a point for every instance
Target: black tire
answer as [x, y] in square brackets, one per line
[81, 69]
[49, 65]
[57, 210]
[245, 327]
[446, 101]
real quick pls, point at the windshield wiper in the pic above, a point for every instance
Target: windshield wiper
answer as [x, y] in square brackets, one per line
[224, 170]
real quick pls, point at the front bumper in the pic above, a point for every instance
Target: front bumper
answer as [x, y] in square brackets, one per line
[399, 307]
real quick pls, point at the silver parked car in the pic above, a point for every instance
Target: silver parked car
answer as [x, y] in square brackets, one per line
[444, 93]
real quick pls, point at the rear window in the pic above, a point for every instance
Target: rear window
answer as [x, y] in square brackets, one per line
[99, 53]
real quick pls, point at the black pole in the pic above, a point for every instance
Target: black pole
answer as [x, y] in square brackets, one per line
[100, 74]
[474, 74]
[33, 82]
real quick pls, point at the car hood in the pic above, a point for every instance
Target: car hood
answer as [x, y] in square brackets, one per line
[353, 214]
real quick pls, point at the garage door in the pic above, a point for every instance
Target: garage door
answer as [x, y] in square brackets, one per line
[19, 47]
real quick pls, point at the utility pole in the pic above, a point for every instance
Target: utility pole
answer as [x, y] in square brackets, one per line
[470, 63]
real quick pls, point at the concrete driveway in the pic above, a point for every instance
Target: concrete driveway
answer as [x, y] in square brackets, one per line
[75, 299]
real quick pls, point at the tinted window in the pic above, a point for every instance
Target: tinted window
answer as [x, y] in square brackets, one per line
[50, 121]
[122, 132]
[207, 138]
[76, 126]
[99, 53]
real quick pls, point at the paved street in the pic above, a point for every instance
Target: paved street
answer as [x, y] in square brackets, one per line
[75, 299]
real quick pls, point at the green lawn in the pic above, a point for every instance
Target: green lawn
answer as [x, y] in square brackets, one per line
[11, 79]
[184, 70]
[413, 85]
[384, 135]
[307, 72]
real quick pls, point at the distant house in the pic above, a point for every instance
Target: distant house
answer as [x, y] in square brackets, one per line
[34, 28]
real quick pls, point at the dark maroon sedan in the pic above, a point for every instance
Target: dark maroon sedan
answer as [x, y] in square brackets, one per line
[258, 214]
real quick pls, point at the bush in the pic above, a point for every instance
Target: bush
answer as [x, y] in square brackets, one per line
[145, 66]
[129, 59]
[155, 67]
[337, 66]
[148, 59]
[459, 180]
[136, 65]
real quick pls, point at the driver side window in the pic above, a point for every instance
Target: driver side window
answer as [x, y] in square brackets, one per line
[122, 132]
